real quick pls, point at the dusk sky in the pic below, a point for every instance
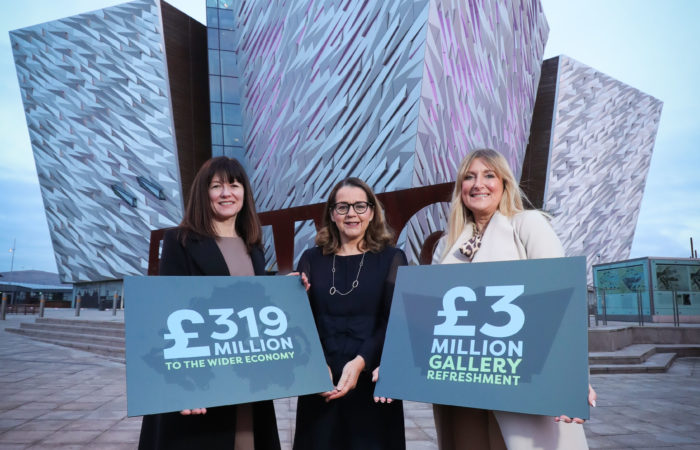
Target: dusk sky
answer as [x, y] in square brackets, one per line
[651, 45]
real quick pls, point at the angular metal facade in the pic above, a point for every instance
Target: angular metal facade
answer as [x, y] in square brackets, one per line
[482, 67]
[307, 93]
[96, 97]
[602, 139]
[394, 92]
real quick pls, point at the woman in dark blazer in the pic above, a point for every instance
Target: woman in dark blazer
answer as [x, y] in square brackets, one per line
[219, 235]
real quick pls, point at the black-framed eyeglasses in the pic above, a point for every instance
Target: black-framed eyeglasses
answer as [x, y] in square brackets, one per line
[343, 208]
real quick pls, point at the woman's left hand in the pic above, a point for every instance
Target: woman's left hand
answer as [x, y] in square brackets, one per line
[304, 279]
[375, 377]
[348, 379]
[592, 397]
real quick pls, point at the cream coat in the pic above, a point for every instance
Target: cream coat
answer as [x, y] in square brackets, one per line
[527, 235]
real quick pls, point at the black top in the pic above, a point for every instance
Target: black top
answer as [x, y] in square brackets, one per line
[352, 324]
[216, 429]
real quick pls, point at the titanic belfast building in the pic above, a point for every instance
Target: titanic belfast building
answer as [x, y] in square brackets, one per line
[123, 105]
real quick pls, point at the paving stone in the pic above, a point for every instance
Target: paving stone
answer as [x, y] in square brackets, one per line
[63, 415]
[9, 424]
[44, 407]
[21, 414]
[39, 425]
[13, 446]
[117, 437]
[71, 437]
[79, 406]
[90, 425]
[23, 437]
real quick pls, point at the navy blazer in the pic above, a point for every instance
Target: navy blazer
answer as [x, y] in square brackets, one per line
[199, 256]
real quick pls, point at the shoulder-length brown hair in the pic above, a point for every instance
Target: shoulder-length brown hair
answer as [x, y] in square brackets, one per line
[511, 201]
[199, 214]
[378, 234]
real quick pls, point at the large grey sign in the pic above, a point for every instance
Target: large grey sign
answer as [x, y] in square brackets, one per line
[194, 342]
[508, 336]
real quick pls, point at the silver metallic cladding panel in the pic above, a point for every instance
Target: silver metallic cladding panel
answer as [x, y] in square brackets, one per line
[96, 99]
[481, 72]
[331, 90]
[394, 92]
[602, 140]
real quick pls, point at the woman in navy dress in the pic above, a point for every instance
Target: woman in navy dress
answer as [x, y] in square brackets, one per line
[219, 235]
[351, 273]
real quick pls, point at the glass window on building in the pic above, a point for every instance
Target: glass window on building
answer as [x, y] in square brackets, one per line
[227, 40]
[232, 114]
[229, 62]
[233, 135]
[214, 88]
[212, 17]
[216, 112]
[226, 20]
[214, 62]
[230, 90]
[212, 38]
[217, 137]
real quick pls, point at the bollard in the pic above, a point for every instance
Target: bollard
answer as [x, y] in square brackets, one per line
[77, 306]
[114, 304]
[42, 303]
[3, 308]
[605, 310]
[640, 309]
[676, 313]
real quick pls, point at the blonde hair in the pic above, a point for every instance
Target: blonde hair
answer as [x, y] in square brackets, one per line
[511, 201]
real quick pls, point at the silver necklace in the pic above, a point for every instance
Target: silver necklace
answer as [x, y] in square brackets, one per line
[355, 283]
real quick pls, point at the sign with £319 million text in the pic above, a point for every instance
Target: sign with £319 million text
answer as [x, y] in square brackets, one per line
[197, 342]
[509, 336]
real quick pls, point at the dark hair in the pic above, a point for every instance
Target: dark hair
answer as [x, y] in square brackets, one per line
[378, 234]
[199, 214]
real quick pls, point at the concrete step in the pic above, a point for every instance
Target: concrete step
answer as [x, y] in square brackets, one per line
[48, 335]
[632, 354]
[638, 353]
[618, 337]
[104, 338]
[78, 328]
[115, 353]
[656, 363]
[78, 322]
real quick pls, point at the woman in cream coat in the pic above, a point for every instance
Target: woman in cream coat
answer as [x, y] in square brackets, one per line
[488, 223]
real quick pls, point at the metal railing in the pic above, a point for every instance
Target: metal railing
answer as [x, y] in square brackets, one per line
[600, 310]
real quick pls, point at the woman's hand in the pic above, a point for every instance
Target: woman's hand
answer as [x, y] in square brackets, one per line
[348, 379]
[592, 397]
[304, 279]
[193, 412]
[330, 375]
[375, 377]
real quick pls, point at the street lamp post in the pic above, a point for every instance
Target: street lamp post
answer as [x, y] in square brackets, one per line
[12, 250]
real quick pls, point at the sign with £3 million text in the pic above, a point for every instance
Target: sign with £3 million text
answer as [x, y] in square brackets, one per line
[508, 336]
[197, 342]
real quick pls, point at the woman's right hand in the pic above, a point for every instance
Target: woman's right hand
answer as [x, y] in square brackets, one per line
[193, 412]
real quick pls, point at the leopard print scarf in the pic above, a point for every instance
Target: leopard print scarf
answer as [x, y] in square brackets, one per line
[472, 245]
